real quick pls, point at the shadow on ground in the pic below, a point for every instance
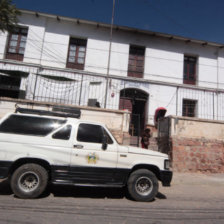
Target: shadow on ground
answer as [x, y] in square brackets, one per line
[5, 188]
[87, 192]
[79, 192]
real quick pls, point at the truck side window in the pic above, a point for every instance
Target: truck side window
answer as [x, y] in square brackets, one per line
[63, 133]
[90, 133]
[109, 140]
[29, 125]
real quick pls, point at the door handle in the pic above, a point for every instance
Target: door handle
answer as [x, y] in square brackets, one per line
[78, 146]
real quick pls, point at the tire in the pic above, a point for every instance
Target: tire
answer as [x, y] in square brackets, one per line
[29, 181]
[142, 185]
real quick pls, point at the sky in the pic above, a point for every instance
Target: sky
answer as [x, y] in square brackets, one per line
[195, 19]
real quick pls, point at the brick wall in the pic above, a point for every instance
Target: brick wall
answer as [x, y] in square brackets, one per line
[194, 145]
[197, 155]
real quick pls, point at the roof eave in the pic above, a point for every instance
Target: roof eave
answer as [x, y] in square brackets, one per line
[125, 28]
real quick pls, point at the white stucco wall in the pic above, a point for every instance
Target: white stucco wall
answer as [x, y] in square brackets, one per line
[221, 68]
[48, 41]
[34, 44]
[161, 96]
[47, 45]
[3, 42]
[97, 56]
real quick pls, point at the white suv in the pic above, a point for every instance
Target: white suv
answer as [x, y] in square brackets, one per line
[38, 147]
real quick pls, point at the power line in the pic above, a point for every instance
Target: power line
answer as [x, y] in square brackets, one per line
[58, 54]
[51, 54]
[104, 50]
[125, 71]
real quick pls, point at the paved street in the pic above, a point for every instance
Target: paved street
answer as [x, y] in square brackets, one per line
[193, 198]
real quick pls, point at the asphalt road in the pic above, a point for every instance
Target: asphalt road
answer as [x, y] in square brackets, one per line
[192, 198]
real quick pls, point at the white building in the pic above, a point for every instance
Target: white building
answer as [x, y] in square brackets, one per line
[65, 60]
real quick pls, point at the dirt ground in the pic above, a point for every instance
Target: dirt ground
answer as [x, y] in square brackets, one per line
[197, 184]
[192, 198]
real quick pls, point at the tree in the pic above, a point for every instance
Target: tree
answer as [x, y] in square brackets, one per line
[8, 15]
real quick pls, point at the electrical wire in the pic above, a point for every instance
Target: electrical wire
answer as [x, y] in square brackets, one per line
[57, 56]
[59, 53]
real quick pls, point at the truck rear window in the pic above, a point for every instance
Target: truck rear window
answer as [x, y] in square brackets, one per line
[27, 125]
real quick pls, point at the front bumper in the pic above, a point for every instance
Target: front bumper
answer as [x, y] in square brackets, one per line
[166, 177]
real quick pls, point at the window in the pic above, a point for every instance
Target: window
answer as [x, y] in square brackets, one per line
[25, 125]
[189, 108]
[109, 140]
[190, 70]
[63, 133]
[92, 102]
[17, 44]
[136, 61]
[92, 133]
[76, 53]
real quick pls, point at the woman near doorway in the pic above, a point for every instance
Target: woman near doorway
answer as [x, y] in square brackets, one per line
[145, 138]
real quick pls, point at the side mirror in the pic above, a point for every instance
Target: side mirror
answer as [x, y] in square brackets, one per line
[104, 142]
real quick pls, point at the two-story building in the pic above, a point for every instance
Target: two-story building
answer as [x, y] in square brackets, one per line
[50, 58]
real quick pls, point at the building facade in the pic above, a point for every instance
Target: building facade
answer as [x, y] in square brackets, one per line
[49, 58]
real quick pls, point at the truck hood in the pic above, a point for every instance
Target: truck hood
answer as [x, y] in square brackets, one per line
[136, 150]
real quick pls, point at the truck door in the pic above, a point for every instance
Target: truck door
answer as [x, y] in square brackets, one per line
[90, 164]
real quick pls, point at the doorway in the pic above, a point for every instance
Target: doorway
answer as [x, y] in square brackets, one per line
[136, 101]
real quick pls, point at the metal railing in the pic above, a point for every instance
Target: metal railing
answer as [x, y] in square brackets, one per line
[72, 88]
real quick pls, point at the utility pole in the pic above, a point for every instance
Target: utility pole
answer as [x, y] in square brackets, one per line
[108, 64]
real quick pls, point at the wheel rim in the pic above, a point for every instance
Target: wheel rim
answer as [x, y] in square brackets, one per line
[143, 186]
[28, 181]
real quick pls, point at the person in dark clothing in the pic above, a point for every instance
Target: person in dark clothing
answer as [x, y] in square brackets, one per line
[145, 138]
[97, 104]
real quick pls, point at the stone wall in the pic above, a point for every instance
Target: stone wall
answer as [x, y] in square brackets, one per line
[198, 155]
[194, 145]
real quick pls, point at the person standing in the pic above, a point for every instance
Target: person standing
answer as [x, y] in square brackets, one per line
[145, 138]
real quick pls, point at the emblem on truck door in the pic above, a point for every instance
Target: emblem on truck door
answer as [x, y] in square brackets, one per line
[92, 158]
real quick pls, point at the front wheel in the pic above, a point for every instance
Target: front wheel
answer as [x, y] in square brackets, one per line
[142, 185]
[29, 181]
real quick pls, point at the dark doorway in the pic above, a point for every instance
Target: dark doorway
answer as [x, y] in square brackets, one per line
[9, 86]
[135, 101]
[10, 82]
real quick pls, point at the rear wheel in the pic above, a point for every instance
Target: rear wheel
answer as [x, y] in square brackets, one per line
[29, 181]
[142, 185]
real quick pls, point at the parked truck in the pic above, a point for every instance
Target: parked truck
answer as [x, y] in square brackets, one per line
[40, 147]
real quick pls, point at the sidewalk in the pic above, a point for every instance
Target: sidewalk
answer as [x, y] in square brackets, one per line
[198, 178]
[196, 186]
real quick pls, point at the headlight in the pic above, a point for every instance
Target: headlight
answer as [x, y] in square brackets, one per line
[166, 164]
